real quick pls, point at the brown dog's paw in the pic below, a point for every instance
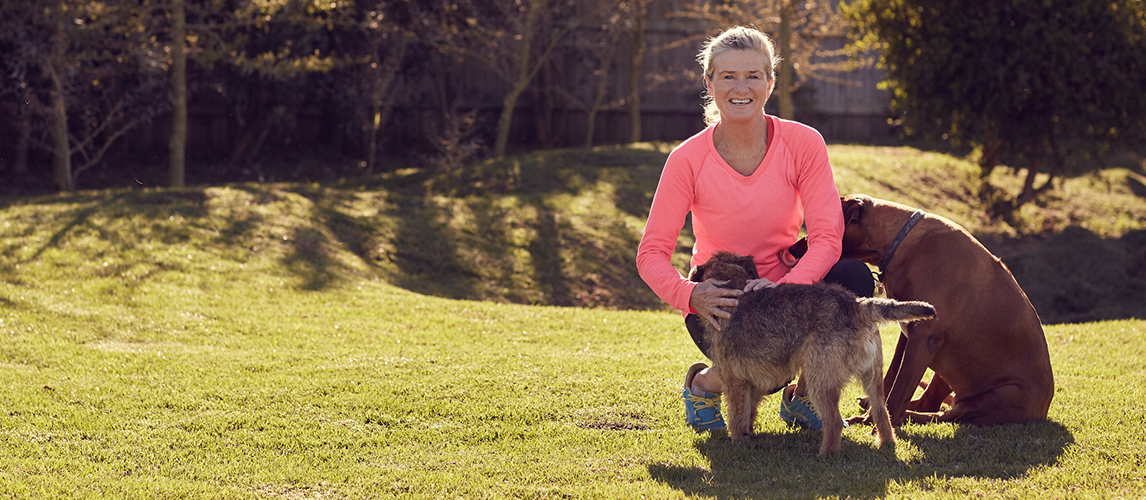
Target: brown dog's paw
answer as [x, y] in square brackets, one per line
[863, 419]
[863, 403]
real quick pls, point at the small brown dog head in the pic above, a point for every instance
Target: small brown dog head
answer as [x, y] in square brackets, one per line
[853, 207]
[726, 266]
[855, 233]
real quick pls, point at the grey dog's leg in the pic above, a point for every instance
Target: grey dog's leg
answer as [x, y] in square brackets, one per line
[873, 386]
[826, 399]
[741, 413]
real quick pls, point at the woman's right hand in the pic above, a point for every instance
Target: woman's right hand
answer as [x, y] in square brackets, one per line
[708, 299]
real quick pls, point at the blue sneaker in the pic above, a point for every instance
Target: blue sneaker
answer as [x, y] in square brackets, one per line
[701, 411]
[800, 411]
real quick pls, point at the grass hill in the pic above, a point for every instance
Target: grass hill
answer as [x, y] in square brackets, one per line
[549, 228]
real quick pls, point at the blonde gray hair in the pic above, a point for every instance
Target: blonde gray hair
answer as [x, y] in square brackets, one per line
[735, 38]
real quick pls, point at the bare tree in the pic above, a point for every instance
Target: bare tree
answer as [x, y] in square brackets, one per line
[592, 50]
[205, 38]
[601, 90]
[376, 64]
[512, 38]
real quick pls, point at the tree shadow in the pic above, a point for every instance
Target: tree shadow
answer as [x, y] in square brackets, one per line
[786, 465]
[1137, 185]
[78, 218]
[1077, 276]
[545, 252]
[114, 205]
[309, 259]
[425, 250]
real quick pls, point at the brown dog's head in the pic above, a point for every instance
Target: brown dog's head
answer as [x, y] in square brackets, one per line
[727, 266]
[853, 206]
[855, 234]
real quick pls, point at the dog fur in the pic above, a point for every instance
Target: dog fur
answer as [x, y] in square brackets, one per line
[823, 330]
[987, 348]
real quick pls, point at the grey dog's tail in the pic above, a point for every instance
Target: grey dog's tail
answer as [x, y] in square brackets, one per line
[885, 310]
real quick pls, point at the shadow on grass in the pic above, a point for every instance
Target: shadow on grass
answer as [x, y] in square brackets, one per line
[545, 250]
[786, 466]
[1137, 185]
[426, 252]
[116, 205]
[1077, 276]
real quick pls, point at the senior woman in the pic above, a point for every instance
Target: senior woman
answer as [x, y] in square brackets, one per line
[750, 181]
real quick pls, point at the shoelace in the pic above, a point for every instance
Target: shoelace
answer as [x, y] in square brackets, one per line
[808, 403]
[702, 402]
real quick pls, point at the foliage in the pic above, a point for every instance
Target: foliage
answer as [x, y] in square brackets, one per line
[89, 69]
[1044, 85]
[235, 342]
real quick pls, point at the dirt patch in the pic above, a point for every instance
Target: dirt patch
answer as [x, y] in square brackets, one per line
[1077, 276]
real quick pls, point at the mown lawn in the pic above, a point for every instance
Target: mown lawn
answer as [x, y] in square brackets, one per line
[313, 341]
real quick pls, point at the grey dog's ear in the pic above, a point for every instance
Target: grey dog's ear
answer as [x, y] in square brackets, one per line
[749, 264]
[853, 207]
[697, 273]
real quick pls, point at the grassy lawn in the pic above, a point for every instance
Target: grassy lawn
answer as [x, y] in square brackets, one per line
[437, 338]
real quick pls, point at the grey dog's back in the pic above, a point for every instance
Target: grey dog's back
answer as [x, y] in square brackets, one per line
[761, 326]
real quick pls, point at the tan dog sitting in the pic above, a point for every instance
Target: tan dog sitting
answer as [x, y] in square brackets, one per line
[775, 333]
[987, 344]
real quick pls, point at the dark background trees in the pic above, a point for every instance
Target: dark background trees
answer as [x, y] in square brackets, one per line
[167, 92]
[1045, 85]
[84, 73]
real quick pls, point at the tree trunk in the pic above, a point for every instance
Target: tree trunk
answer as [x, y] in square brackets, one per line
[24, 142]
[602, 87]
[784, 80]
[61, 149]
[383, 98]
[504, 122]
[590, 127]
[635, 73]
[522, 78]
[376, 108]
[177, 146]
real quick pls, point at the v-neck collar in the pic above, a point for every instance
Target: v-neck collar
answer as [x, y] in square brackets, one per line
[773, 124]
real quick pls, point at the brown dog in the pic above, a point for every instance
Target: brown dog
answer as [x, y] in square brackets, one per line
[775, 333]
[987, 344]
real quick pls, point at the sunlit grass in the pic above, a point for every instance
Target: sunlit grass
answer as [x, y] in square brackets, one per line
[307, 341]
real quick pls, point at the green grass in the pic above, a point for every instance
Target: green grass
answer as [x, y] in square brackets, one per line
[317, 341]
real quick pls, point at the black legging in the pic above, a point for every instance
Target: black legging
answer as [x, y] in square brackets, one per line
[848, 273]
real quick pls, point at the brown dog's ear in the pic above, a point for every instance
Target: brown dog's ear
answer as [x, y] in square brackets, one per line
[853, 207]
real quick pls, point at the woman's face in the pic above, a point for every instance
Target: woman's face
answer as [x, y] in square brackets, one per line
[739, 85]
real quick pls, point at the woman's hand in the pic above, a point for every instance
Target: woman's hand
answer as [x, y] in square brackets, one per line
[708, 299]
[759, 284]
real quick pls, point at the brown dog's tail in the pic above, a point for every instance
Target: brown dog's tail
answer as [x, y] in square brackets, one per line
[885, 310]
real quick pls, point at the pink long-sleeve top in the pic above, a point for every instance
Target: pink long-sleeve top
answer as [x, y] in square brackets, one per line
[758, 215]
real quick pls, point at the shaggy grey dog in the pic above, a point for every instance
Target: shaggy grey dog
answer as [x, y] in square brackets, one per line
[822, 330]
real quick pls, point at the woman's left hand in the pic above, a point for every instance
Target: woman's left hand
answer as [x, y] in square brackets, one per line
[759, 284]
